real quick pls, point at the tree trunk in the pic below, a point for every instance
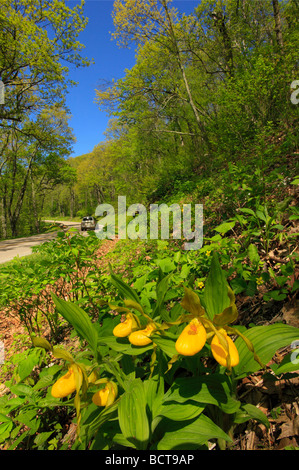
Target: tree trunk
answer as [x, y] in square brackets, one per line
[183, 73]
[34, 206]
[278, 29]
[72, 202]
[228, 51]
[3, 219]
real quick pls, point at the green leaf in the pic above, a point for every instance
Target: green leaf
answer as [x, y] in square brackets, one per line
[39, 342]
[225, 227]
[132, 414]
[122, 345]
[290, 363]
[41, 438]
[253, 254]
[79, 319]
[26, 366]
[211, 389]
[249, 411]
[5, 429]
[190, 436]
[161, 290]
[166, 344]
[124, 289]
[216, 290]
[30, 420]
[167, 265]
[266, 341]
[60, 353]
[181, 411]
[245, 210]
[154, 391]
[21, 390]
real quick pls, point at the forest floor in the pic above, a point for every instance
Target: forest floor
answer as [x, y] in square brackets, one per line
[277, 399]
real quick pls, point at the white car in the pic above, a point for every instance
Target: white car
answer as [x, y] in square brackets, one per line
[88, 223]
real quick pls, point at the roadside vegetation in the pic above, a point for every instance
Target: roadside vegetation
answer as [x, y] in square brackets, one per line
[141, 344]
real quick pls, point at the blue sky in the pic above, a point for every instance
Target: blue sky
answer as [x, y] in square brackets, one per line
[110, 62]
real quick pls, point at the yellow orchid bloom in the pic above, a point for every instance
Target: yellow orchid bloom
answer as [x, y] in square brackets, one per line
[124, 328]
[106, 396]
[192, 339]
[221, 354]
[141, 337]
[65, 385]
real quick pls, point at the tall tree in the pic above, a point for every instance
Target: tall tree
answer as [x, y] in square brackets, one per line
[38, 40]
[27, 159]
[156, 21]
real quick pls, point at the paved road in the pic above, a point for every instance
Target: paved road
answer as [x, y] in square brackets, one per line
[9, 249]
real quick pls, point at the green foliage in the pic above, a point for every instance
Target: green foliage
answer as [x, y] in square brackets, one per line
[165, 401]
[65, 264]
[204, 115]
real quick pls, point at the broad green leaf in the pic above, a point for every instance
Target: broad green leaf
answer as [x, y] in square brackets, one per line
[253, 254]
[122, 345]
[21, 390]
[181, 411]
[4, 418]
[79, 319]
[5, 429]
[245, 210]
[95, 419]
[211, 389]
[39, 342]
[195, 434]
[167, 265]
[166, 344]
[30, 420]
[249, 411]
[290, 363]
[225, 227]
[261, 215]
[161, 290]
[154, 391]
[132, 414]
[26, 366]
[41, 438]
[266, 340]
[216, 290]
[124, 289]
[60, 353]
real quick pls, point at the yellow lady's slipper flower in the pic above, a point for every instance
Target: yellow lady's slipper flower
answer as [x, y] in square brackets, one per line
[192, 339]
[105, 396]
[141, 337]
[65, 385]
[220, 354]
[124, 328]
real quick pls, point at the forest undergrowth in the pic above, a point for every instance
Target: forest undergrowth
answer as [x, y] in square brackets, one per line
[253, 254]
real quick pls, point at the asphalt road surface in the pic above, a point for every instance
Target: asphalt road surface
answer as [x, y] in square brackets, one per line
[9, 249]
